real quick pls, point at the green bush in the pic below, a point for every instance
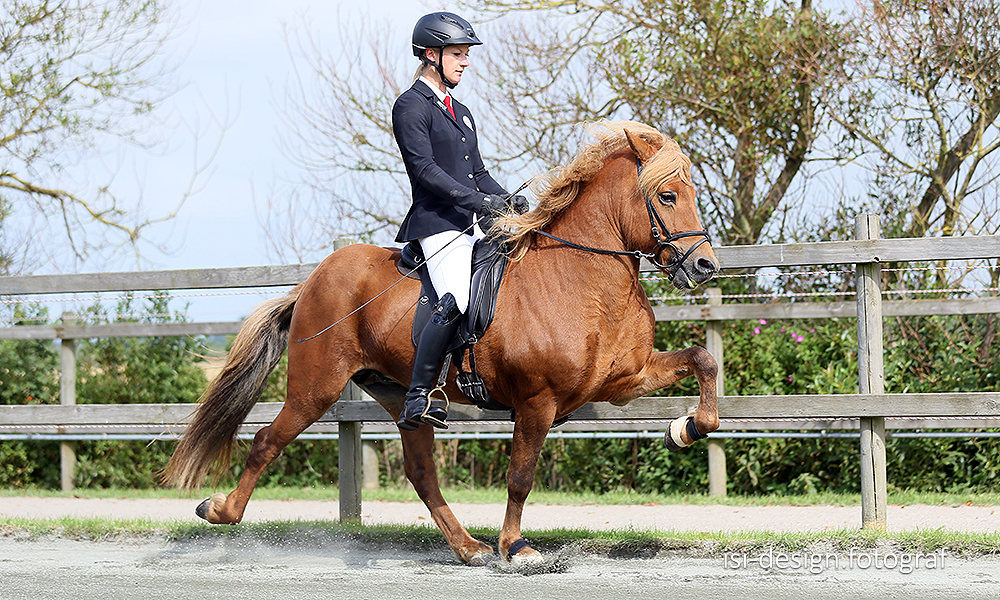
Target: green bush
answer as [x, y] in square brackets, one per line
[142, 370]
[29, 369]
[29, 464]
[922, 354]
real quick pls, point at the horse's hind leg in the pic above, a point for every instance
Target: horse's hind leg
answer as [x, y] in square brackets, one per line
[418, 449]
[308, 399]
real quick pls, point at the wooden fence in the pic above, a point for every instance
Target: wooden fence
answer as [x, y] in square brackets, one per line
[865, 411]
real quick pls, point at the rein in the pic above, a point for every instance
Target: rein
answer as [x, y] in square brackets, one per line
[656, 224]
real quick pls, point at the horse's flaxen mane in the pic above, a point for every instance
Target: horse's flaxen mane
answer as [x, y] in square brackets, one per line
[559, 188]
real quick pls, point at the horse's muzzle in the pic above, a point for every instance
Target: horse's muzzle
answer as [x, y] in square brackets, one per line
[694, 271]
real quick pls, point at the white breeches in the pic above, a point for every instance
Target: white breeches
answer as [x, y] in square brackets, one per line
[449, 260]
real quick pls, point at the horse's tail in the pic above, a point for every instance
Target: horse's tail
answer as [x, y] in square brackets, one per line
[207, 446]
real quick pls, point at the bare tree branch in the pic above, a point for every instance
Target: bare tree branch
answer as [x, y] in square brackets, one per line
[78, 76]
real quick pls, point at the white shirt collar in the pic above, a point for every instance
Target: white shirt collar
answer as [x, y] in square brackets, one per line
[437, 91]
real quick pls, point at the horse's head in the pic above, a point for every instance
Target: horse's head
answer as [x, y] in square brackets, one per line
[678, 244]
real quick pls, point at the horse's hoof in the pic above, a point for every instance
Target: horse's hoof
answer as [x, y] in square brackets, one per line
[521, 550]
[204, 509]
[482, 559]
[672, 438]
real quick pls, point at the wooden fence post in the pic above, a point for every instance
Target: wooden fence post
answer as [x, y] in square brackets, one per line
[67, 396]
[349, 461]
[369, 461]
[716, 447]
[871, 380]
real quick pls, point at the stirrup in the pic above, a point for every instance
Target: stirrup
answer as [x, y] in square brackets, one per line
[433, 409]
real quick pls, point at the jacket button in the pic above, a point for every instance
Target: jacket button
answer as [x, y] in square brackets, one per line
[470, 175]
[466, 157]
[463, 139]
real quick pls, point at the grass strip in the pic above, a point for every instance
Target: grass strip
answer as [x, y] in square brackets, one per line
[613, 544]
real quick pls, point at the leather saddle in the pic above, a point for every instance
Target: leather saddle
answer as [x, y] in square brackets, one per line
[489, 263]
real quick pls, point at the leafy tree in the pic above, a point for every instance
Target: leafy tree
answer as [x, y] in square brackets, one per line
[737, 83]
[762, 95]
[921, 111]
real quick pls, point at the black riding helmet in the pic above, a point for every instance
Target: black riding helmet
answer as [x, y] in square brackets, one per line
[438, 30]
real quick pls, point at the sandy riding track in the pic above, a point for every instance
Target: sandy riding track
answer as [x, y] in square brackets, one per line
[52, 567]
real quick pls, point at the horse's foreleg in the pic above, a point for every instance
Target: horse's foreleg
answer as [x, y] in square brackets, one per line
[530, 428]
[418, 456]
[666, 368]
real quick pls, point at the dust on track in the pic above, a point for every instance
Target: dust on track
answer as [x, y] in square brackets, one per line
[327, 566]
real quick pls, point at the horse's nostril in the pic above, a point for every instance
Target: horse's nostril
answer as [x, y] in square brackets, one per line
[707, 266]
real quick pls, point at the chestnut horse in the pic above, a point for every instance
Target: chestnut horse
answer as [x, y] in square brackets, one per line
[572, 325]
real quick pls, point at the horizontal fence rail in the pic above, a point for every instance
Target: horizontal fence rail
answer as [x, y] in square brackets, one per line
[730, 257]
[811, 413]
[693, 312]
[776, 412]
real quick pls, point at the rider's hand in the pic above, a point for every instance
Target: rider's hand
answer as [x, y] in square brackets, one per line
[518, 203]
[493, 205]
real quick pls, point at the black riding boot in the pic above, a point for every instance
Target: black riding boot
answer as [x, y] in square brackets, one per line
[431, 348]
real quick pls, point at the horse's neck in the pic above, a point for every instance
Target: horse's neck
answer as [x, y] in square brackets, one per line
[593, 222]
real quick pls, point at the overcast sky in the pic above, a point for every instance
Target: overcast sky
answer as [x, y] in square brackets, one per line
[234, 65]
[235, 69]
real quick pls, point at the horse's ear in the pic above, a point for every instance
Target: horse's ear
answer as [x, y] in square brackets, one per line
[643, 149]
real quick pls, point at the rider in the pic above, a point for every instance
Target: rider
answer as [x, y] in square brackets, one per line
[451, 191]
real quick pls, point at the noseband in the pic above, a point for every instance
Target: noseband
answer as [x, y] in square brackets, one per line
[656, 225]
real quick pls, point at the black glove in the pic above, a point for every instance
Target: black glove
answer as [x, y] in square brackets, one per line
[519, 204]
[493, 205]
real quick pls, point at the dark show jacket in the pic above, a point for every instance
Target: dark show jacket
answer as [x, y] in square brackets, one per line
[441, 154]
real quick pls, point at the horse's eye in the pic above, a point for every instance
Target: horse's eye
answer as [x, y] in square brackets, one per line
[668, 198]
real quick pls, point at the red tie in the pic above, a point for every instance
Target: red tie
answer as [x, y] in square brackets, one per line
[447, 103]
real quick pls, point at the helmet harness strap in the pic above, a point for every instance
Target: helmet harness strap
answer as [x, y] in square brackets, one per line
[438, 65]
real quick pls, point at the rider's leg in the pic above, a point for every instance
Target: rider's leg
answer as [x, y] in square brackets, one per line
[431, 347]
[449, 261]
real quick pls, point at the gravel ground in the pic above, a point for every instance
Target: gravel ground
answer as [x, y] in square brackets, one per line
[144, 568]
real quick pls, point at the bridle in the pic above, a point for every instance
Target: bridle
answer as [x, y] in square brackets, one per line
[656, 225]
